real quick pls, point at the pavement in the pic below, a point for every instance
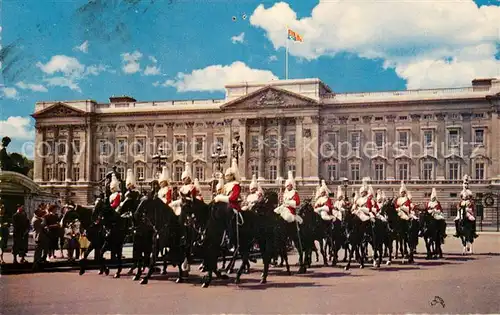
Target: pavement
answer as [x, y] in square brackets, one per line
[464, 284]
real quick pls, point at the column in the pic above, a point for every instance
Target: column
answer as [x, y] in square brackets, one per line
[262, 154]
[242, 162]
[228, 140]
[493, 143]
[150, 149]
[189, 142]
[69, 154]
[466, 146]
[414, 151]
[344, 148]
[390, 171]
[170, 149]
[89, 149]
[299, 145]
[38, 167]
[112, 146]
[440, 142]
[130, 145]
[281, 172]
[209, 148]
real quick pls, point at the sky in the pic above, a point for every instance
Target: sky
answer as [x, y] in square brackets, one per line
[184, 49]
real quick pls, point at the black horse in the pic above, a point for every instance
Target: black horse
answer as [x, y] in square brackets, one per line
[405, 232]
[95, 233]
[431, 231]
[356, 233]
[466, 231]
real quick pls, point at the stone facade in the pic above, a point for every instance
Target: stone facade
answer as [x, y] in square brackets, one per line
[425, 137]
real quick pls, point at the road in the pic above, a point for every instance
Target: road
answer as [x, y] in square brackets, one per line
[465, 284]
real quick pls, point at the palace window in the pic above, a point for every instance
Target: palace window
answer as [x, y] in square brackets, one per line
[291, 141]
[379, 171]
[379, 118]
[121, 146]
[403, 118]
[428, 170]
[178, 173]
[140, 145]
[254, 170]
[453, 171]
[478, 137]
[478, 115]
[103, 147]
[427, 116]
[331, 171]
[291, 168]
[61, 172]
[355, 172]
[453, 138]
[199, 145]
[403, 171]
[61, 147]
[179, 145]
[273, 172]
[76, 146]
[219, 140]
[139, 173]
[159, 143]
[199, 172]
[76, 173]
[428, 138]
[121, 171]
[379, 139]
[355, 143]
[273, 141]
[403, 139]
[47, 148]
[479, 170]
[49, 173]
[254, 140]
[101, 173]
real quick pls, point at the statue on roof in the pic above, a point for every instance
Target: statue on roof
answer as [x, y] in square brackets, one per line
[14, 162]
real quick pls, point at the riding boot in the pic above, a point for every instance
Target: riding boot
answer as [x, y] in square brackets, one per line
[474, 230]
[456, 229]
[182, 230]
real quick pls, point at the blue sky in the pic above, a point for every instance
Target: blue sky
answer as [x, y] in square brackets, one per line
[169, 49]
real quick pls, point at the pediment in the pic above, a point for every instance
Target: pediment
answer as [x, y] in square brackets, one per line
[59, 110]
[270, 97]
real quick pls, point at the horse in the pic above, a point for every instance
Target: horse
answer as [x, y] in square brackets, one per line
[405, 232]
[466, 231]
[431, 233]
[356, 233]
[95, 233]
[303, 235]
[337, 240]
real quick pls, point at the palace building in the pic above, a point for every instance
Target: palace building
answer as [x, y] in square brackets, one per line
[424, 137]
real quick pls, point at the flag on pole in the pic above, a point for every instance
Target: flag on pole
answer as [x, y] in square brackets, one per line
[294, 36]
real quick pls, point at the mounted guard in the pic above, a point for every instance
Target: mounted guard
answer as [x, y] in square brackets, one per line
[187, 190]
[165, 192]
[433, 206]
[323, 205]
[404, 205]
[197, 186]
[363, 204]
[380, 201]
[340, 205]
[291, 200]
[116, 196]
[466, 203]
[232, 189]
[256, 194]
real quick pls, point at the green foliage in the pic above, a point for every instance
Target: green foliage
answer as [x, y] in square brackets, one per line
[23, 164]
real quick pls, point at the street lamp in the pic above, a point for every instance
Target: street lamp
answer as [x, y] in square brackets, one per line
[218, 158]
[345, 183]
[141, 182]
[160, 157]
[237, 149]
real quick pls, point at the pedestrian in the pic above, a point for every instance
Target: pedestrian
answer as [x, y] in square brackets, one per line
[41, 238]
[84, 243]
[4, 232]
[54, 230]
[21, 225]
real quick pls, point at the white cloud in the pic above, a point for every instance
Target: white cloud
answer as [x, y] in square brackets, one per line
[17, 128]
[9, 92]
[84, 47]
[153, 59]
[409, 36]
[273, 58]
[215, 77]
[157, 83]
[151, 70]
[63, 82]
[131, 62]
[32, 87]
[71, 70]
[69, 66]
[238, 38]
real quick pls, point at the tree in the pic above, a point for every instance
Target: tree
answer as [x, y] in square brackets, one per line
[23, 164]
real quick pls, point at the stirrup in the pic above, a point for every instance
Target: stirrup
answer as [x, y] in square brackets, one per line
[238, 214]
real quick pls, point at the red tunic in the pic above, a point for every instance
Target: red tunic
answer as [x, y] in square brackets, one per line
[116, 201]
[192, 190]
[438, 206]
[234, 197]
[297, 202]
[169, 196]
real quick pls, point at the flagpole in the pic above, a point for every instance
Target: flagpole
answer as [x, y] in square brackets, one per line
[286, 58]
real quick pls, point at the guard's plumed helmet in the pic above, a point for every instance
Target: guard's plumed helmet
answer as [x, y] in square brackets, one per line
[253, 184]
[290, 180]
[164, 175]
[364, 185]
[187, 171]
[233, 170]
[130, 179]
